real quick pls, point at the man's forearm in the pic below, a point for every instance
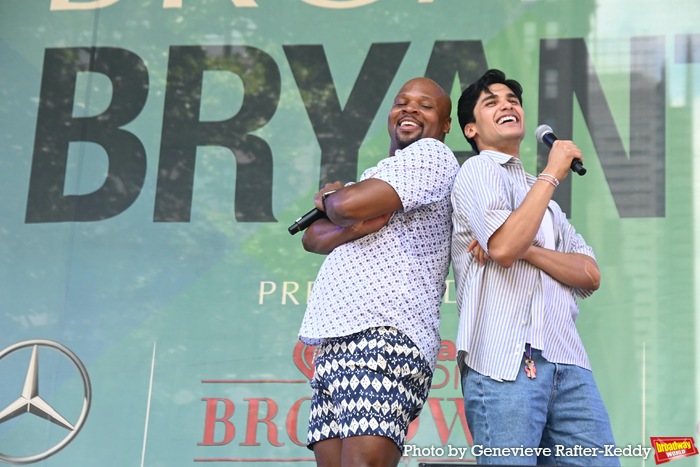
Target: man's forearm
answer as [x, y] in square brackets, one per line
[323, 236]
[511, 241]
[573, 269]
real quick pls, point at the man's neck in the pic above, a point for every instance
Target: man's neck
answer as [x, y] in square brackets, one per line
[505, 146]
[504, 150]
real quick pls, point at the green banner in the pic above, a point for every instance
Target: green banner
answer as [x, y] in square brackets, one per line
[153, 154]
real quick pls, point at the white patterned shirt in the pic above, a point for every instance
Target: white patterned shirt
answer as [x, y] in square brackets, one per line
[503, 309]
[395, 276]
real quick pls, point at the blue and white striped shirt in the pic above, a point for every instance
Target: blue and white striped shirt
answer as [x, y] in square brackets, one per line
[503, 309]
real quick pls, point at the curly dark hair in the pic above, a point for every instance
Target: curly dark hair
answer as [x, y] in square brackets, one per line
[467, 101]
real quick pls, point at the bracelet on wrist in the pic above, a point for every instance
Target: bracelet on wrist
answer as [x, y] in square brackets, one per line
[552, 178]
[544, 179]
[324, 196]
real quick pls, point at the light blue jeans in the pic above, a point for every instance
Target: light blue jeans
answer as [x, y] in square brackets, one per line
[561, 409]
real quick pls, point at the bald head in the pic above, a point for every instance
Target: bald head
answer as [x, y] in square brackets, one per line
[430, 87]
[421, 110]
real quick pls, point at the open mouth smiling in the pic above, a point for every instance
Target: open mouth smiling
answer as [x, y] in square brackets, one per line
[507, 119]
[408, 124]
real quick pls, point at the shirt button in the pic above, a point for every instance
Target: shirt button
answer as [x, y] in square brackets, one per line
[529, 292]
[524, 321]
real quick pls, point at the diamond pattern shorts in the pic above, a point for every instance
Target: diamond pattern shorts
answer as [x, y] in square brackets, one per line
[374, 382]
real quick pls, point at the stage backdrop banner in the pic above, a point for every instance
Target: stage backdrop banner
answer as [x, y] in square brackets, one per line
[153, 154]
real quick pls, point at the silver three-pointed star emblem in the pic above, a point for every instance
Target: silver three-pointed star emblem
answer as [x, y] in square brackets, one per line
[30, 401]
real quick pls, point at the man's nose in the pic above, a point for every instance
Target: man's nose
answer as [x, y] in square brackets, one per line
[411, 107]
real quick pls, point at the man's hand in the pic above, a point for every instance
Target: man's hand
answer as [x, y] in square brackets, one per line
[561, 156]
[318, 197]
[478, 252]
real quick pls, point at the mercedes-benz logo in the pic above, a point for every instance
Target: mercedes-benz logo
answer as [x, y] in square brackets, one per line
[30, 402]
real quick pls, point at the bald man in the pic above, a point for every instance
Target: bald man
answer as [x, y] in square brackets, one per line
[374, 312]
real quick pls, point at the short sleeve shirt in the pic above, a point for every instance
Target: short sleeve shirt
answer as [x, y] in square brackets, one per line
[395, 276]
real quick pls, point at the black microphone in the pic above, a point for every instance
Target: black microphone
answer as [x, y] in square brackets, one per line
[544, 134]
[306, 220]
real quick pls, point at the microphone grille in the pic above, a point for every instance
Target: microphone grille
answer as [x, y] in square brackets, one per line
[541, 131]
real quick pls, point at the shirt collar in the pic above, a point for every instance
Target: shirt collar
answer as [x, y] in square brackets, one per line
[499, 157]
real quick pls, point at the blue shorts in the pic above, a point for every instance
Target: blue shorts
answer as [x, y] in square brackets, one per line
[374, 382]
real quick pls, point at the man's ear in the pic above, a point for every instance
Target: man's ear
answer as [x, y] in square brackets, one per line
[448, 125]
[469, 130]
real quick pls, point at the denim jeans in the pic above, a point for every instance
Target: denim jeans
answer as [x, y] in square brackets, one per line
[560, 411]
